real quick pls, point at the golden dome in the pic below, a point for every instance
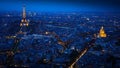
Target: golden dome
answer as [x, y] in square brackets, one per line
[102, 32]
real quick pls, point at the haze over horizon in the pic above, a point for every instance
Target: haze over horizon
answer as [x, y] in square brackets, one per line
[61, 5]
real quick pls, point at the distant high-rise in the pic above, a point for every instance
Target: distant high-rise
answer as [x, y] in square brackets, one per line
[102, 33]
[24, 22]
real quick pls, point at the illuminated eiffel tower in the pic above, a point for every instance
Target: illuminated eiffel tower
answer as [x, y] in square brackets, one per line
[24, 22]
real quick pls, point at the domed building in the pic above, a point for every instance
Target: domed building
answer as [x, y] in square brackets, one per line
[102, 33]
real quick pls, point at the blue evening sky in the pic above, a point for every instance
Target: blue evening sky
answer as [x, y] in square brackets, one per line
[16, 5]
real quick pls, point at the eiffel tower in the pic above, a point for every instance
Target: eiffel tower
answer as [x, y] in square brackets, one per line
[24, 23]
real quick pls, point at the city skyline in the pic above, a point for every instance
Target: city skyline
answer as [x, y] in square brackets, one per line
[59, 34]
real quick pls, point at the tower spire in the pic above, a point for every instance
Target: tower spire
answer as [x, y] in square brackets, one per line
[24, 12]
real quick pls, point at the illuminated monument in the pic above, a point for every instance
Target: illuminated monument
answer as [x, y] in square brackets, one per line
[102, 33]
[24, 22]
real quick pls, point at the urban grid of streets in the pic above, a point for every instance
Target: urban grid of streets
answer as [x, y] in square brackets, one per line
[60, 40]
